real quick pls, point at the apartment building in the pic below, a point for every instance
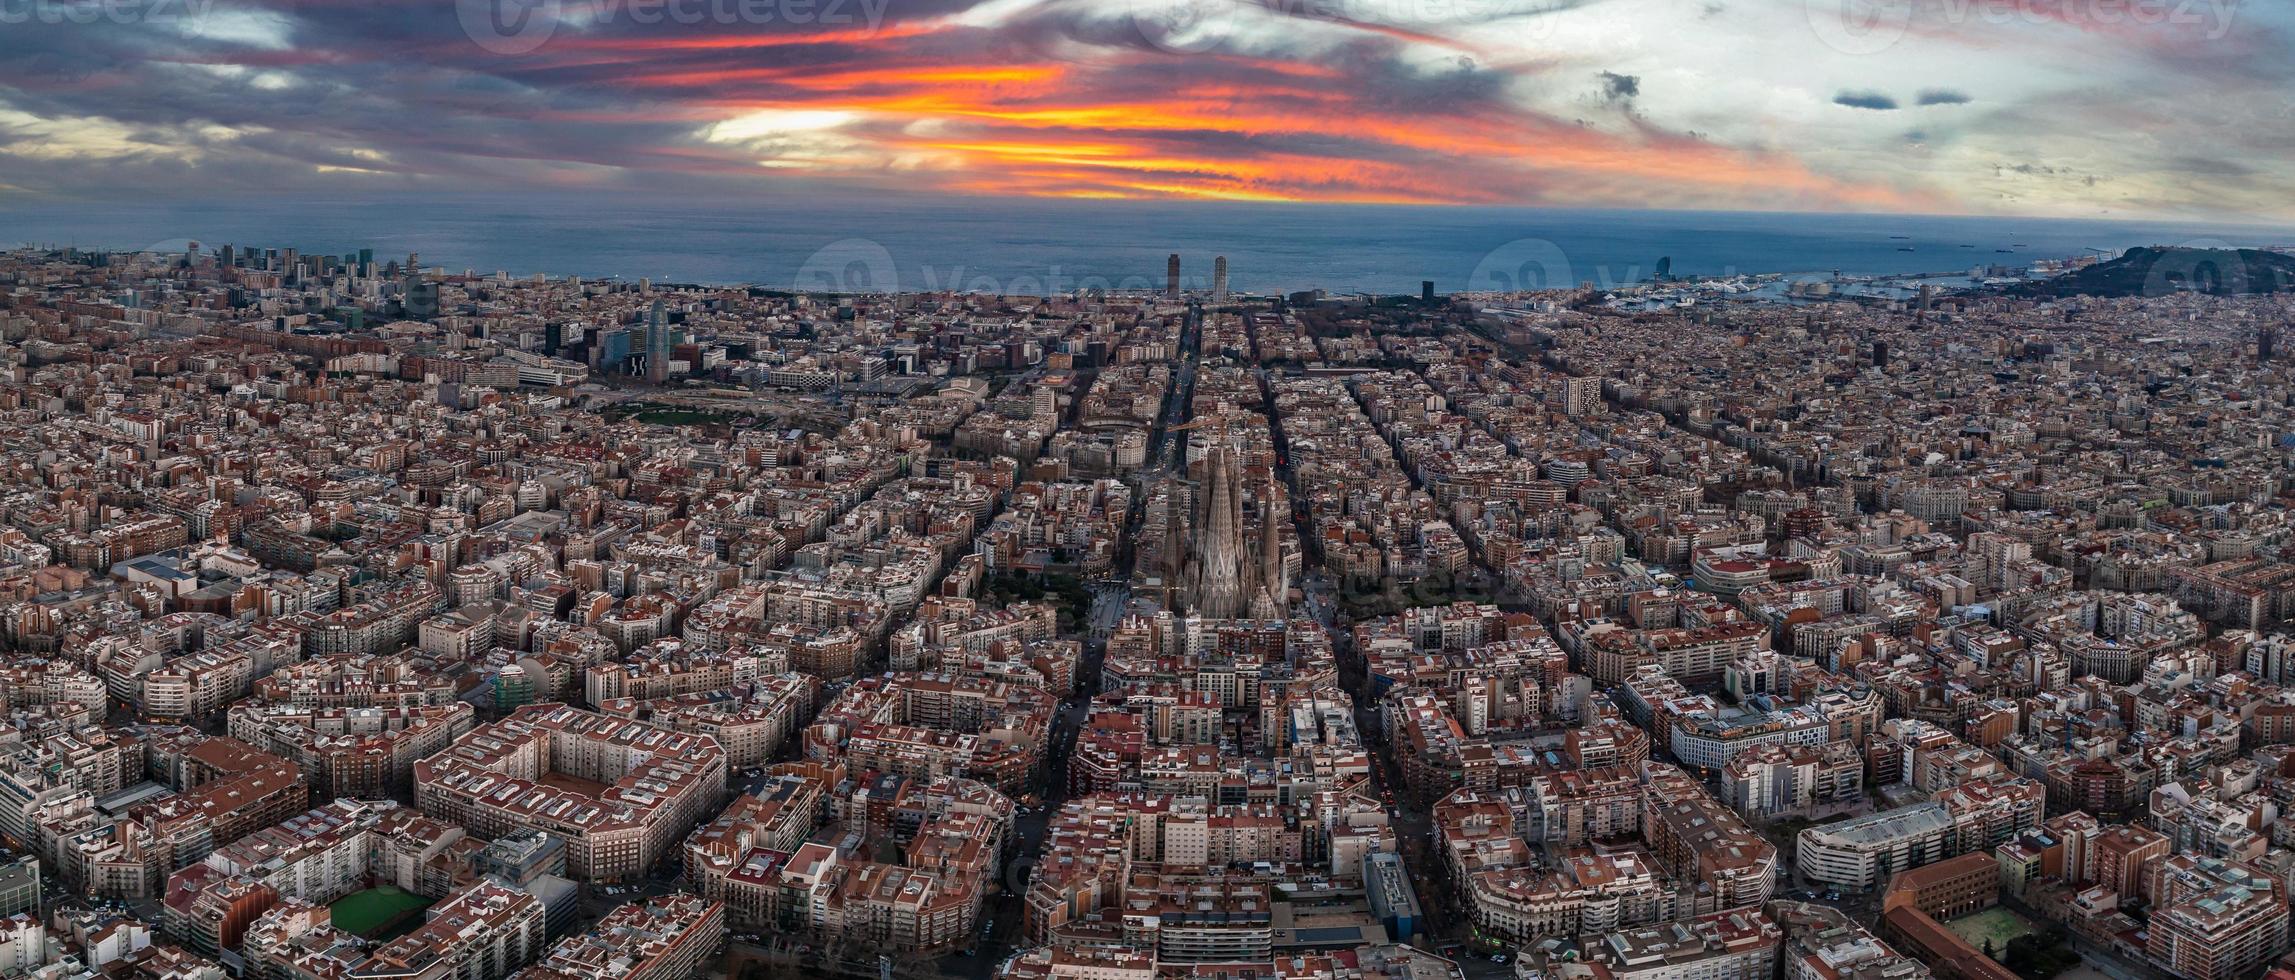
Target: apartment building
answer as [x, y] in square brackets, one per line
[665, 937]
[622, 793]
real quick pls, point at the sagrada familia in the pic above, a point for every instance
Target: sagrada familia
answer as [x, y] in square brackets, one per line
[1221, 572]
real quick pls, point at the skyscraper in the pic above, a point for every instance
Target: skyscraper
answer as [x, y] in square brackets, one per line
[1171, 276]
[1219, 279]
[656, 346]
[613, 351]
[1577, 396]
[2266, 343]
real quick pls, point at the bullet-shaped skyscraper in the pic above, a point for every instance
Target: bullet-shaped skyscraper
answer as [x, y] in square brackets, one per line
[1219, 279]
[656, 346]
[1171, 276]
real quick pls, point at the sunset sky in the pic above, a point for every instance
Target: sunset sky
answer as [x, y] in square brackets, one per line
[2112, 108]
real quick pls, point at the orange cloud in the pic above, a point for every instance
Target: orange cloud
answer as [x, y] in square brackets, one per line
[1133, 123]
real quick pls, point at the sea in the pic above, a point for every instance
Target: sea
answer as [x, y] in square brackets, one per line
[1037, 247]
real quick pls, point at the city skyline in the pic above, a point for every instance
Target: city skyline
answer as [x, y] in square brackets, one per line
[1147, 490]
[2123, 108]
[364, 619]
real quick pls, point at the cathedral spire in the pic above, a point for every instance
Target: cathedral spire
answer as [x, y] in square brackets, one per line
[1220, 564]
[1272, 588]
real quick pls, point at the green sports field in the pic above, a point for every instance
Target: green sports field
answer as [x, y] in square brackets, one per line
[376, 909]
[1996, 923]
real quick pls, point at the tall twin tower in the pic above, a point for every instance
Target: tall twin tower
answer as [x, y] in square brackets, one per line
[1226, 577]
[1218, 278]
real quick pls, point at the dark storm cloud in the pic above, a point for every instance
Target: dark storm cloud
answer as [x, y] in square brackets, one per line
[1943, 96]
[1865, 100]
[1620, 88]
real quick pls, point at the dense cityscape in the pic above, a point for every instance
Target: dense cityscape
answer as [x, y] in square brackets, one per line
[362, 620]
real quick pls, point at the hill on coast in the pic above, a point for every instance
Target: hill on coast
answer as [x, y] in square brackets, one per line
[2160, 271]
